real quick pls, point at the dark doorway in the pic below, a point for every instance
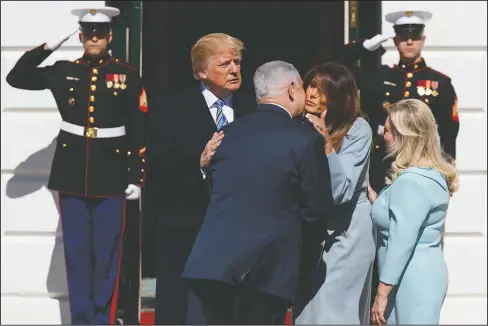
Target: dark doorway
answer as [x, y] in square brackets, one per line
[300, 32]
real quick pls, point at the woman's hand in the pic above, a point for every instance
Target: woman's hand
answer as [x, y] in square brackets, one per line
[380, 303]
[319, 125]
[372, 195]
[378, 310]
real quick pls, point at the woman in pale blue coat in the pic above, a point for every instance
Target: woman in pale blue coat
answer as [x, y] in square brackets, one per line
[341, 293]
[410, 214]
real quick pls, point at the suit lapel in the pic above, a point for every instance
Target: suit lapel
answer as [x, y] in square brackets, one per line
[200, 113]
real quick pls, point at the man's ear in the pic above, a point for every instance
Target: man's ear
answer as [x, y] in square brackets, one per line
[291, 92]
[110, 37]
[80, 37]
[424, 37]
[202, 74]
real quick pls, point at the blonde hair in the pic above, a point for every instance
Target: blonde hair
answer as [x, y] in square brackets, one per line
[417, 141]
[208, 46]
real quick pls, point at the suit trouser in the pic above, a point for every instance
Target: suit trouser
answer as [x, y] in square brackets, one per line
[218, 303]
[174, 247]
[92, 236]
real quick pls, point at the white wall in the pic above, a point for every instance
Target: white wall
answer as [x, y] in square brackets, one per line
[33, 288]
[456, 46]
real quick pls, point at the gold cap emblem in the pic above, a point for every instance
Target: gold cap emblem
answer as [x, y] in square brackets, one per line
[409, 13]
[93, 11]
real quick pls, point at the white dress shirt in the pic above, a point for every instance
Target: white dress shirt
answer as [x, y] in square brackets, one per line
[210, 98]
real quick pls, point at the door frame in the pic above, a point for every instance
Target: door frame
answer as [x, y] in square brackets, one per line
[127, 32]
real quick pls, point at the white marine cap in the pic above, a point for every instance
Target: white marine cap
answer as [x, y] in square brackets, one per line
[408, 17]
[96, 15]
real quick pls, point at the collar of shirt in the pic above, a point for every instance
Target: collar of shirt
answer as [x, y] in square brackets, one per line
[283, 109]
[210, 99]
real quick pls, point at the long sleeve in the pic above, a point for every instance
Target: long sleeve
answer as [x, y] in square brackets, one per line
[137, 109]
[409, 207]
[315, 185]
[448, 120]
[27, 75]
[348, 166]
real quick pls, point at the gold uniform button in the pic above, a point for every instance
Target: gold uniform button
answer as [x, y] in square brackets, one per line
[141, 180]
[91, 109]
[408, 84]
[115, 93]
[92, 119]
[142, 170]
[377, 146]
[403, 66]
[116, 60]
[427, 100]
[95, 71]
[406, 94]
[409, 75]
[71, 89]
[415, 67]
[117, 150]
[92, 98]
[64, 145]
[77, 61]
[143, 161]
[94, 78]
[387, 93]
[128, 153]
[93, 88]
[101, 61]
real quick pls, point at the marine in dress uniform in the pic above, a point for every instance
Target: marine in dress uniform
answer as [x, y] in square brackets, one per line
[96, 165]
[410, 78]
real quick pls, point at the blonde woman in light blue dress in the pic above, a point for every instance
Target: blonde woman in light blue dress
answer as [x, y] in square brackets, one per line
[410, 214]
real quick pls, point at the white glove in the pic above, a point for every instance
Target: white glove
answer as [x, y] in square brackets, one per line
[56, 44]
[132, 192]
[375, 42]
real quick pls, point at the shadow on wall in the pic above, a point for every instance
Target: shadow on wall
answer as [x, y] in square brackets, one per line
[27, 179]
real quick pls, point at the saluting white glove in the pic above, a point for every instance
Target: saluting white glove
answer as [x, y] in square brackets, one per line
[132, 192]
[375, 42]
[56, 44]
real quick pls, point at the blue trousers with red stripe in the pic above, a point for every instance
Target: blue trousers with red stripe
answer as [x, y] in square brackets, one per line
[92, 236]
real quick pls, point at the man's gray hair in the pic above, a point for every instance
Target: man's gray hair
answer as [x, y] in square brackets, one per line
[273, 78]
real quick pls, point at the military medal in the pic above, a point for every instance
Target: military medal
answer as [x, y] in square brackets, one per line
[109, 80]
[71, 101]
[116, 81]
[123, 85]
[421, 90]
[435, 86]
[421, 86]
[428, 91]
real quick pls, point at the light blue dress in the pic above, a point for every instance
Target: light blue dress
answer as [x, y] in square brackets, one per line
[343, 284]
[410, 216]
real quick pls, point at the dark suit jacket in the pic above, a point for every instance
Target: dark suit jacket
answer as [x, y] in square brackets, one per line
[180, 126]
[269, 174]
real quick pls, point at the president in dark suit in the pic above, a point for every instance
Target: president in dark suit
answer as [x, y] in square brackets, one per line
[268, 177]
[180, 145]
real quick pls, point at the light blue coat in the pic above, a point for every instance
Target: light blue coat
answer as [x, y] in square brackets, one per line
[343, 283]
[410, 216]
